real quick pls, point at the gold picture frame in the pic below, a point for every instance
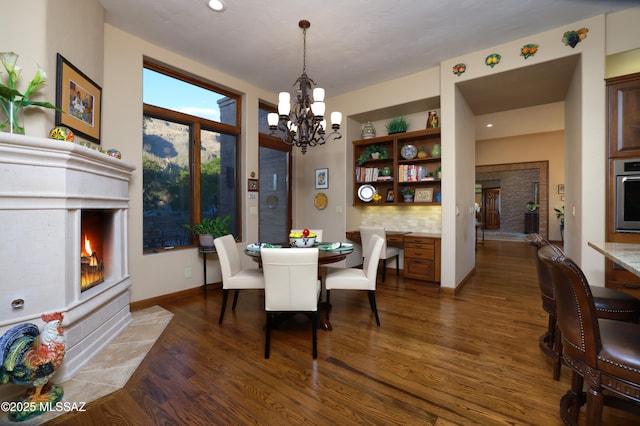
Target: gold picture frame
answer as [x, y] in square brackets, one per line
[423, 195]
[79, 100]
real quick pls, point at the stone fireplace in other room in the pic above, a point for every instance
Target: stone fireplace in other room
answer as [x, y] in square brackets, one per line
[63, 242]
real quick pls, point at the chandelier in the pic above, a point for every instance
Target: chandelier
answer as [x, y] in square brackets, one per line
[303, 125]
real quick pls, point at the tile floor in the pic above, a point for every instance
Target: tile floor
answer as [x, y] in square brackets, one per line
[111, 369]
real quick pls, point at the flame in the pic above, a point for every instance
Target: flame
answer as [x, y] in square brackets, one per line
[87, 247]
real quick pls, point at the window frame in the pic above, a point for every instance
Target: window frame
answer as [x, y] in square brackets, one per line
[196, 125]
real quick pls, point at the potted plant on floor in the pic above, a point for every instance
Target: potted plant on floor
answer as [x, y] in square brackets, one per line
[209, 229]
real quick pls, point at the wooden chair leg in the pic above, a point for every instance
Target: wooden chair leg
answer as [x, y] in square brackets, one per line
[314, 333]
[397, 265]
[594, 407]
[328, 304]
[384, 268]
[267, 342]
[372, 302]
[225, 296]
[557, 353]
[235, 299]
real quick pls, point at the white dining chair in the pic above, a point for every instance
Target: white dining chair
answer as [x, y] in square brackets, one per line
[234, 276]
[318, 233]
[356, 278]
[387, 252]
[291, 286]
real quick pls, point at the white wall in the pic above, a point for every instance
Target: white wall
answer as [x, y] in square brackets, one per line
[33, 30]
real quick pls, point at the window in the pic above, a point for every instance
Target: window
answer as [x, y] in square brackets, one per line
[190, 145]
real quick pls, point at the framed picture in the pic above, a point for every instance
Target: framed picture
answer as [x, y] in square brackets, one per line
[561, 188]
[423, 195]
[252, 185]
[389, 198]
[79, 100]
[322, 178]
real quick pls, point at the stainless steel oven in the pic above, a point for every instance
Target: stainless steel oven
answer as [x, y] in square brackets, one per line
[627, 195]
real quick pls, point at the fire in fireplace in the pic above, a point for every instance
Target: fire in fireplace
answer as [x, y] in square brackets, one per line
[94, 224]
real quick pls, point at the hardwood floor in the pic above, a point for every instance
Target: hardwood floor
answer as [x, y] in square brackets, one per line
[435, 359]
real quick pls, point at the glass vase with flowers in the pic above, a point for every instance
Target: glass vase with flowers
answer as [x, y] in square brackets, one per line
[12, 102]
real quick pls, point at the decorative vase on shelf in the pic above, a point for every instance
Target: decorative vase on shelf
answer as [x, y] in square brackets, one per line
[435, 151]
[386, 171]
[368, 131]
[14, 117]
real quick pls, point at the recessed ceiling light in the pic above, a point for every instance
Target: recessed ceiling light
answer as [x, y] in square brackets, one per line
[489, 125]
[217, 5]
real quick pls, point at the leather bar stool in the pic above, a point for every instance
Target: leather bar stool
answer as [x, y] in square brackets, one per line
[610, 304]
[603, 354]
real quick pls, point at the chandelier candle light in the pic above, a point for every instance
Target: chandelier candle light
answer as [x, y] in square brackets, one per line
[304, 125]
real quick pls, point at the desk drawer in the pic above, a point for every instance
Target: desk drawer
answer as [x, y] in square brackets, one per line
[408, 240]
[419, 269]
[424, 252]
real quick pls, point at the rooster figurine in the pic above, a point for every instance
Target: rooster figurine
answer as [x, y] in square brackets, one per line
[30, 357]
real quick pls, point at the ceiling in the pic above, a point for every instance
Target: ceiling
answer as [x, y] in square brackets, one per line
[352, 44]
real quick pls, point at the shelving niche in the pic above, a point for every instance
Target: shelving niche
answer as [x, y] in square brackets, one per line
[366, 173]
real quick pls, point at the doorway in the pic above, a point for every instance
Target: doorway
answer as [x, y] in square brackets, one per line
[274, 190]
[530, 181]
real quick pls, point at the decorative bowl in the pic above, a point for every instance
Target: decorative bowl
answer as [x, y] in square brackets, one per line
[302, 241]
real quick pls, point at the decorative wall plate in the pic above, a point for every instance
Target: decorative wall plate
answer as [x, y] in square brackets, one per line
[409, 152]
[365, 193]
[320, 200]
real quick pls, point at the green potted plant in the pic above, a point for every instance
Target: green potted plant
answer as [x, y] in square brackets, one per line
[373, 151]
[397, 125]
[407, 194]
[208, 229]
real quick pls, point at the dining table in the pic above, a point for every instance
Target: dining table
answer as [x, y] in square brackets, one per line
[325, 256]
[626, 255]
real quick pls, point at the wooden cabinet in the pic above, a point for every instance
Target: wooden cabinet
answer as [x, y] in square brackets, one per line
[623, 136]
[624, 116]
[415, 173]
[422, 257]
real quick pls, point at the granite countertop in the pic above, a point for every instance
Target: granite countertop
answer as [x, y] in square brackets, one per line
[624, 254]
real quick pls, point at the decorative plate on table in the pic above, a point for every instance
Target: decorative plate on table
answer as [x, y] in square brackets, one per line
[365, 193]
[409, 152]
[336, 247]
[320, 201]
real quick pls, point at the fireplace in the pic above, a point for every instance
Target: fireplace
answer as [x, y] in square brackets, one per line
[94, 230]
[56, 197]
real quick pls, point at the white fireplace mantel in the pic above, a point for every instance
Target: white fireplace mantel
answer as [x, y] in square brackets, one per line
[44, 186]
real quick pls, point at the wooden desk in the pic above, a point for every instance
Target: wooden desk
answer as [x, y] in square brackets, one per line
[394, 238]
[624, 254]
[421, 253]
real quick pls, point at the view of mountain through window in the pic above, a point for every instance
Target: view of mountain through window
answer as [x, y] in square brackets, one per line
[188, 161]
